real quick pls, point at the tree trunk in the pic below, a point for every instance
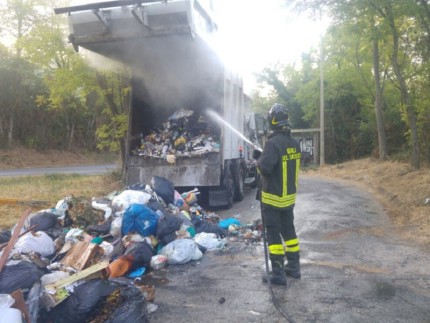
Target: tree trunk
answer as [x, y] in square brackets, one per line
[382, 141]
[1, 127]
[404, 92]
[71, 135]
[10, 131]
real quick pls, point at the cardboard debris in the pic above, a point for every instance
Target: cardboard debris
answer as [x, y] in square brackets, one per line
[82, 255]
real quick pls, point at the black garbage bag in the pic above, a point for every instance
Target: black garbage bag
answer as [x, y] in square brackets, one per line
[5, 236]
[103, 228]
[136, 187]
[141, 253]
[100, 300]
[133, 309]
[43, 220]
[164, 188]
[19, 276]
[168, 224]
[55, 232]
[166, 239]
[201, 225]
[82, 302]
[157, 207]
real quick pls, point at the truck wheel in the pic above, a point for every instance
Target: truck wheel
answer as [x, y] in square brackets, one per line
[229, 187]
[239, 183]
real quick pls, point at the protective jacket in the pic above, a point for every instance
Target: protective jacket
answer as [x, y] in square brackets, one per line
[279, 166]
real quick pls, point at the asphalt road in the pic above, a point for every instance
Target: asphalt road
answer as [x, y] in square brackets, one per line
[354, 268]
[81, 170]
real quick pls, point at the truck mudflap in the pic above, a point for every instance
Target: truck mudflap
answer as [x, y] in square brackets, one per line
[223, 196]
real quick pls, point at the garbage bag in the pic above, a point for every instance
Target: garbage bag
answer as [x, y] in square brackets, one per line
[157, 207]
[227, 222]
[7, 313]
[133, 309]
[140, 219]
[168, 224]
[6, 301]
[128, 197]
[100, 300]
[115, 227]
[166, 239]
[19, 276]
[205, 226]
[81, 303]
[39, 242]
[99, 228]
[181, 251]
[44, 220]
[209, 241]
[141, 253]
[164, 188]
[33, 301]
[5, 236]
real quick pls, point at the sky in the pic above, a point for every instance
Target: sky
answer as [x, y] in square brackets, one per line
[259, 33]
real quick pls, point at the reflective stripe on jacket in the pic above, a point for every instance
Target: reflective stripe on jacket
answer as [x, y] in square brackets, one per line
[279, 166]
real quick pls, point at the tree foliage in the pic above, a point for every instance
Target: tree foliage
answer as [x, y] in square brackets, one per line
[61, 101]
[375, 78]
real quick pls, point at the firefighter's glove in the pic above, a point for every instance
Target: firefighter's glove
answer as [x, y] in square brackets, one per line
[256, 154]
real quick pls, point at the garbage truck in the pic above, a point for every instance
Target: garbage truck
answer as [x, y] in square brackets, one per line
[189, 119]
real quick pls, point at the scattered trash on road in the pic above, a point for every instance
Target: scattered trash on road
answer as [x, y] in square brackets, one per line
[86, 260]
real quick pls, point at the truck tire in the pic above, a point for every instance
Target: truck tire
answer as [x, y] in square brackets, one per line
[239, 182]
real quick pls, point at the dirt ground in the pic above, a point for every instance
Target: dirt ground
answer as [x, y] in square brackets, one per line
[401, 190]
[396, 185]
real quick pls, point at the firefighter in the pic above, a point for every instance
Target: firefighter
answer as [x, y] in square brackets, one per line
[279, 165]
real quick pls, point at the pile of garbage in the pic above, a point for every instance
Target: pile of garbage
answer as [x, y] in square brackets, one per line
[83, 260]
[186, 133]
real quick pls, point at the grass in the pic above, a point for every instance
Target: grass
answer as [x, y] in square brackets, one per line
[50, 188]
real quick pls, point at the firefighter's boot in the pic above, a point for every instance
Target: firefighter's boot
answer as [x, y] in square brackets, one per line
[292, 267]
[277, 276]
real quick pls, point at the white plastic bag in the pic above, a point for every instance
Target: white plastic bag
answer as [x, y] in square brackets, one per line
[115, 227]
[158, 261]
[38, 242]
[8, 314]
[122, 201]
[209, 240]
[107, 248]
[6, 301]
[53, 277]
[73, 234]
[181, 251]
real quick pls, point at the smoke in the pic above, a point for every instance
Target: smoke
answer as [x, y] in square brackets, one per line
[169, 71]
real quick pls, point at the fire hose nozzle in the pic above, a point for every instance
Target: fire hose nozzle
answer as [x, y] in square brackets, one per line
[258, 148]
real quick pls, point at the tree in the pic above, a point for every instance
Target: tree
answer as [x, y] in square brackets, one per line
[18, 17]
[392, 24]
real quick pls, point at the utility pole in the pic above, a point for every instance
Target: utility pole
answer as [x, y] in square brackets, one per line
[322, 159]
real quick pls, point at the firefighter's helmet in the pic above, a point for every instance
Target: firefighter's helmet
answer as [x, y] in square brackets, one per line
[278, 117]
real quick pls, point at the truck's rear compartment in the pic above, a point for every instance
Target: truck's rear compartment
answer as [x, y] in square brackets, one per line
[175, 139]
